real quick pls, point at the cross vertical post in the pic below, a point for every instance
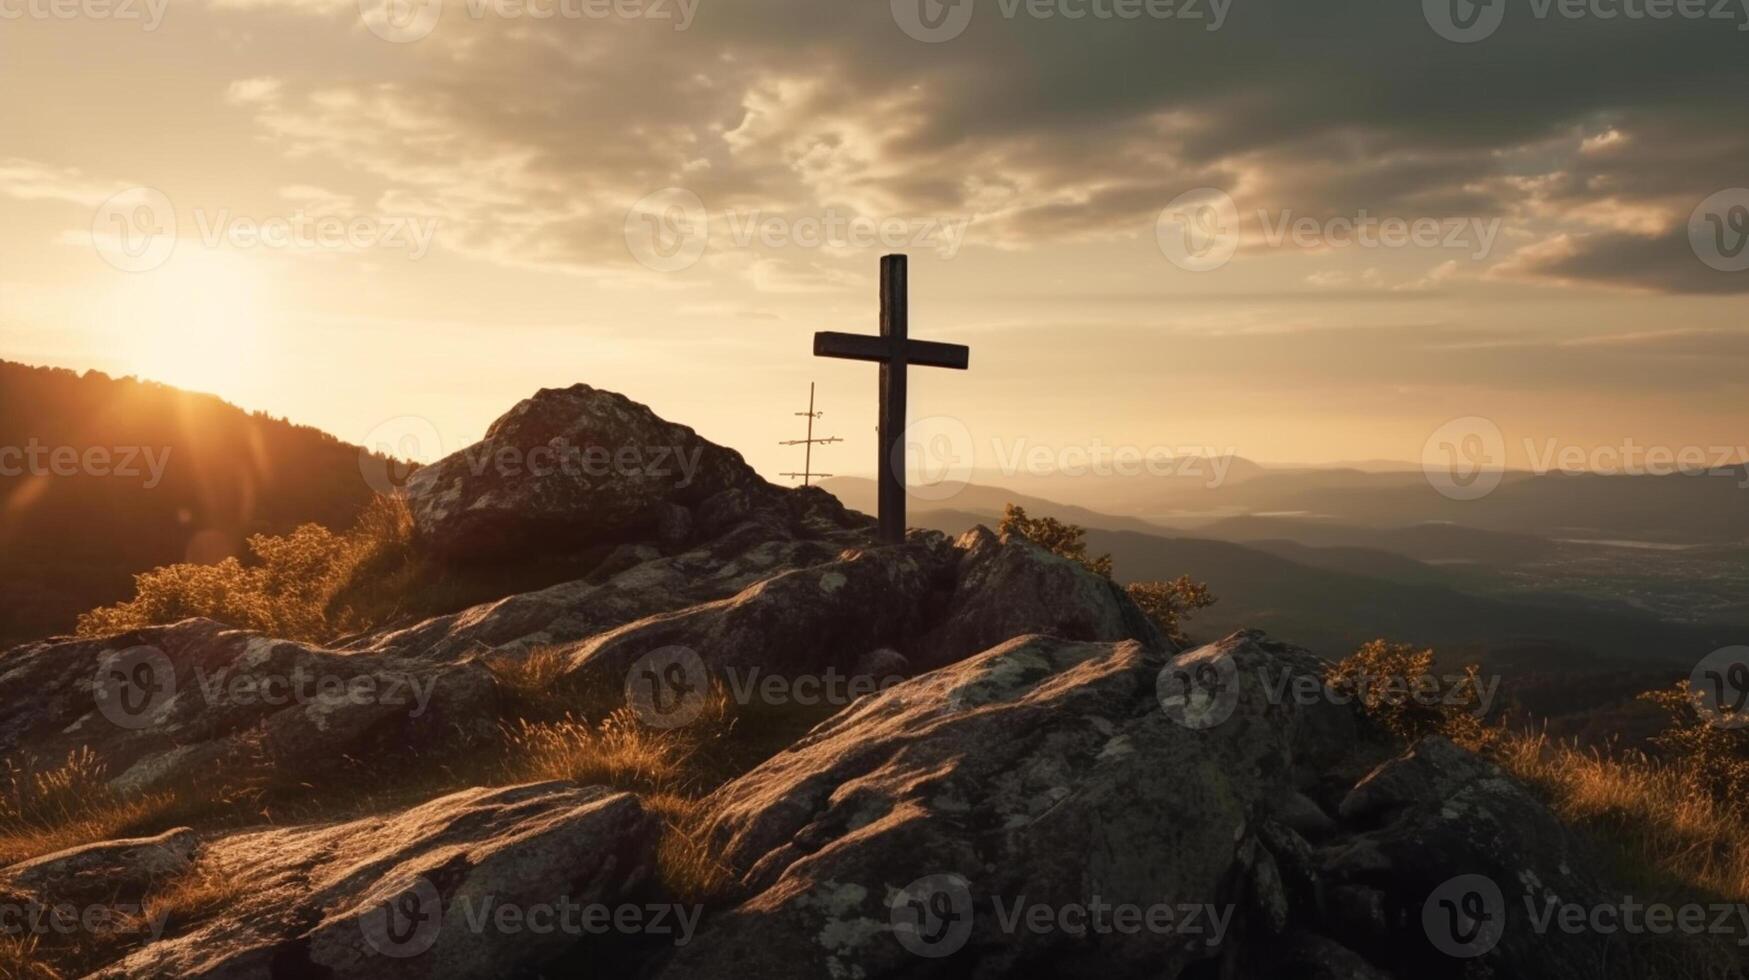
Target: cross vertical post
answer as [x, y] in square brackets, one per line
[895, 351]
[895, 329]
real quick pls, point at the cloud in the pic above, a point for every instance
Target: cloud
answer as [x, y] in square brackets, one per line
[534, 137]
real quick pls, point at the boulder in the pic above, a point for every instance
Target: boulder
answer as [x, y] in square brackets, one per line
[574, 466]
[1005, 586]
[168, 705]
[1439, 835]
[903, 835]
[120, 872]
[426, 893]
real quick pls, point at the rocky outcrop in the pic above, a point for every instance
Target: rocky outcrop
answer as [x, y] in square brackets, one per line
[576, 465]
[1005, 586]
[478, 884]
[175, 704]
[1078, 809]
[118, 872]
[1045, 788]
[1044, 773]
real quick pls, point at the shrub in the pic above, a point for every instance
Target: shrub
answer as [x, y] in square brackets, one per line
[1397, 690]
[1712, 760]
[308, 585]
[1168, 604]
[1065, 540]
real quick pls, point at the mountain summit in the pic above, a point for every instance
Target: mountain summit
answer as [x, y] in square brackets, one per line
[990, 729]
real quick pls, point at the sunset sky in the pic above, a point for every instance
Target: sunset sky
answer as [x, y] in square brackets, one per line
[1024, 163]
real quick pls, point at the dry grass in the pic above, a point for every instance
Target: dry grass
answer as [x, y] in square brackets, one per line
[193, 897]
[687, 866]
[1650, 811]
[22, 958]
[47, 810]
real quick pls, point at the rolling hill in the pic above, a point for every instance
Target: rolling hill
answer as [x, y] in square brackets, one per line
[101, 478]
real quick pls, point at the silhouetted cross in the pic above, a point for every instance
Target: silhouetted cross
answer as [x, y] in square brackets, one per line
[895, 351]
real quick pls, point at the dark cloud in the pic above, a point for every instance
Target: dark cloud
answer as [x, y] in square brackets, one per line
[1052, 129]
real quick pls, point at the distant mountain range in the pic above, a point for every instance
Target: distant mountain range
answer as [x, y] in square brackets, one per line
[1519, 602]
[101, 478]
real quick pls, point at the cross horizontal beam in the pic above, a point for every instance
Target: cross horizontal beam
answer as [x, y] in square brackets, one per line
[862, 347]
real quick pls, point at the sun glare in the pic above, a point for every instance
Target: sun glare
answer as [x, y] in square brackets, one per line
[196, 322]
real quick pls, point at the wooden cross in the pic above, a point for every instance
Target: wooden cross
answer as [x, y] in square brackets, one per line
[895, 351]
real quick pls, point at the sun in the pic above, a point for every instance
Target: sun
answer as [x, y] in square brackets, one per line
[198, 321]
